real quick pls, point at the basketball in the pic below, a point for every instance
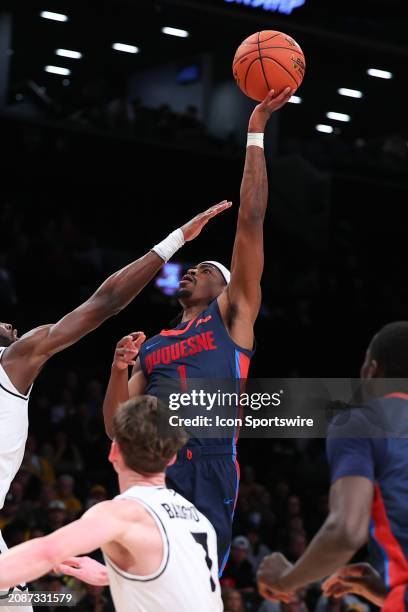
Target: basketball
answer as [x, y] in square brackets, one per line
[268, 60]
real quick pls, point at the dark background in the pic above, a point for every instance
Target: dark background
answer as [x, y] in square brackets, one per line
[100, 165]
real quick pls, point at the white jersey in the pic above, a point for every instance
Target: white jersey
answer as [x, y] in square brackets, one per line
[13, 430]
[187, 579]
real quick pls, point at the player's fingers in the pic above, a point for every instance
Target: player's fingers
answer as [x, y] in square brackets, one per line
[359, 569]
[72, 561]
[210, 210]
[269, 97]
[136, 335]
[339, 591]
[138, 342]
[284, 96]
[124, 341]
[68, 570]
[272, 595]
[219, 209]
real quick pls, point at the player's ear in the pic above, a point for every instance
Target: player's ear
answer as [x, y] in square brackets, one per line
[172, 460]
[373, 370]
[114, 452]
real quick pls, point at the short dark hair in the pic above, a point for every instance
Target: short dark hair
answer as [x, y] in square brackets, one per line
[145, 437]
[390, 349]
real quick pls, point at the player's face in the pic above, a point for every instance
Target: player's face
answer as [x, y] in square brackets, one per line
[8, 334]
[201, 284]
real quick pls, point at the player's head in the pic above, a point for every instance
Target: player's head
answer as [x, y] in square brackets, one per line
[144, 440]
[387, 354]
[8, 334]
[204, 283]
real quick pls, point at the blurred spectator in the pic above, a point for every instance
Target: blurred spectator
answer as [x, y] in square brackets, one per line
[233, 601]
[296, 605]
[65, 493]
[97, 494]
[239, 573]
[37, 466]
[12, 505]
[297, 546]
[257, 550]
[56, 516]
[348, 603]
[67, 457]
[96, 599]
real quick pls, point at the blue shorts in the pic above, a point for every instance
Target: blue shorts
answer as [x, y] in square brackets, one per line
[208, 476]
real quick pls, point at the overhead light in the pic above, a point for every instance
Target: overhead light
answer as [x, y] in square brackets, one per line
[338, 116]
[53, 16]
[381, 74]
[295, 100]
[327, 129]
[175, 32]
[125, 48]
[351, 93]
[57, 70]
[68, 53]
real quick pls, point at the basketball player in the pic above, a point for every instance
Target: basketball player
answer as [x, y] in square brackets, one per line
[368, 458]
[160, 551]
[21, 359]
[214, 340]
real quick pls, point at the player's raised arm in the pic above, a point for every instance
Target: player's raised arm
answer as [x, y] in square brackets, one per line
[120, 388]
[243, 296]
[101, 524]
[38, 345]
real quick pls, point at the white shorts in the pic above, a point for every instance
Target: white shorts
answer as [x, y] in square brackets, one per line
[3, 548]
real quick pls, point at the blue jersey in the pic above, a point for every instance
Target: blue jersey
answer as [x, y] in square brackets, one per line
[198, 349]
[382, 458]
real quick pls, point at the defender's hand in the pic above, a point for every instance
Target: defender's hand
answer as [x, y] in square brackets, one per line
[264, 110]
[268, 578]
[127, 350]
[359, 579]
[85, 569]
[193, 228]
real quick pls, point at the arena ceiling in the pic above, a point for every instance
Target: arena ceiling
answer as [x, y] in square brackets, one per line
[341, 40]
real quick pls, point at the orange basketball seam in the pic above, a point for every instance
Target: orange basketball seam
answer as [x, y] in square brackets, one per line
[281, 65]
[266, 39]
[247, 72]
[262, 66]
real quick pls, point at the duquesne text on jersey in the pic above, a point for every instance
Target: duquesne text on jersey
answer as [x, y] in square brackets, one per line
[185, 348]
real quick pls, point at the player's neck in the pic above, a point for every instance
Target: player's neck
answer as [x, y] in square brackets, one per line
[191, 312]
[130, 479]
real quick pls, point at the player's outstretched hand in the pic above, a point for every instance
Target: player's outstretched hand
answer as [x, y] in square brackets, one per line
[359, 579]
[264, 110]
[127, 350]
[268, 578]
[193, 228]
[85, 569]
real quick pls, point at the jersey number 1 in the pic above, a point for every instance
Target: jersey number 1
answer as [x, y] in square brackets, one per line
[201, 538]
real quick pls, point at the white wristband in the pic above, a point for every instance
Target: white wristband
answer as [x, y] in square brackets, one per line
[170, 245]
[255, 139]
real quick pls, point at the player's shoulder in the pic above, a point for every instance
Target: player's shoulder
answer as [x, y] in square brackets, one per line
[152, 342]
[121, 508]
[363, 420]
